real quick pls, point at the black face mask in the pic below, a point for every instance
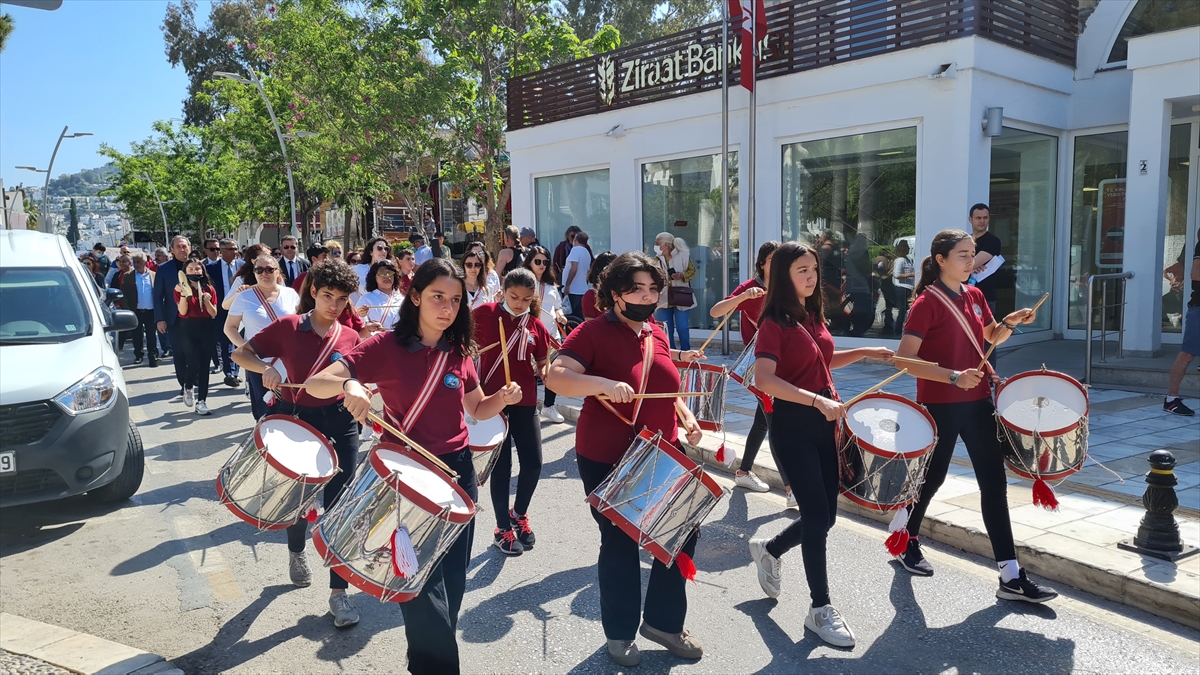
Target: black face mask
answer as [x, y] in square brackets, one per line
[195, 277]
[640, 313]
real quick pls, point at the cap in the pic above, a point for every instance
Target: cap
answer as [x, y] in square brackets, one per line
[528, 232]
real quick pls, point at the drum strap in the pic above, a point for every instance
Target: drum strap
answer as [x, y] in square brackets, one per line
[330, 340]
[519, 341]
[262, 299]
[423, 397]
[388, 308]
[647, 358]
[821, 358]
[962, 322]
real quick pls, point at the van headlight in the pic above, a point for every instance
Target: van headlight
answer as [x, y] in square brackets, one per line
[95, 392]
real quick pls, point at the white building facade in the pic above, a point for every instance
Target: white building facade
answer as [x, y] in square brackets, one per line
[1090, 170]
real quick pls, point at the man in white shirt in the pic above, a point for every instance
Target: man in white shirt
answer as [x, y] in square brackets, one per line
[579, 260]
[421, 251]
[138, 287]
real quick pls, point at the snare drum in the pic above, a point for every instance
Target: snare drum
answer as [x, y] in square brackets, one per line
[888, 443]
[742, 370]
[485, 438]
[1043, 419]
[709, 379]
[276, 475]
[392, 489]
[657, 495]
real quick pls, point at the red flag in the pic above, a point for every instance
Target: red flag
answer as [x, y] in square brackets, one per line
[751, 21]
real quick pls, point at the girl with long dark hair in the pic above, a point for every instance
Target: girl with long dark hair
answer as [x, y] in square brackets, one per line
[474, 265]
[794, 356]
[197, 304]
[380, 305]
[590, 308]
[537, 261]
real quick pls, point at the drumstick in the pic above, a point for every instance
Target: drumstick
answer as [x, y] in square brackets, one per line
[993, 347]
[915, 362]
[682, 394]
[854, 400]
[409, 442]
[504, 353]
[716, 330]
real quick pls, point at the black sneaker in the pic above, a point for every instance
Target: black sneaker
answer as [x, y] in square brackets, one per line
[1177, 407]
[507, 542]
[520, 525]
[153, 362]
[231, 381]
[914, 561]
[1023, 588]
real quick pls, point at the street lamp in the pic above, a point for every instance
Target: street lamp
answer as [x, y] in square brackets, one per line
[46, 189]
[161, 210]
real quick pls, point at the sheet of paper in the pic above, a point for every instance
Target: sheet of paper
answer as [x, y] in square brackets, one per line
[990, 268]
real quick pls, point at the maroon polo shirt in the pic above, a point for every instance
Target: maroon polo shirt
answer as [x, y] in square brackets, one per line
[606, 347]
[590, 311]
[399, 371]
[797, 361]
[195, 308]
[944, 342]
[291, 338]
[750, 309]
[487, 332]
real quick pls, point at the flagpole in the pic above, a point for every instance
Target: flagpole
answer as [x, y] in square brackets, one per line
[725, 53]
[750, 208]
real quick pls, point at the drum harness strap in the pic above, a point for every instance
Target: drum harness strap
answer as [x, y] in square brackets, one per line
[432, 378]
[518, 341]
[647, 358]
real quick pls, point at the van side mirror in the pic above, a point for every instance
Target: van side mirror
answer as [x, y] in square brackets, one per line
[113, 294]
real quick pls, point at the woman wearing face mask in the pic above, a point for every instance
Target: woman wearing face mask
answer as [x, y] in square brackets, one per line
[528, 345]
[607, 356]
[674, 258]
[197, 305]
[537, 261]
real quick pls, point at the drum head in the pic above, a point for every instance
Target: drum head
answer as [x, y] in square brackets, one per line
[1043, 403]
[486, 433]
[891, 424]
[295, 448]
[422, 484]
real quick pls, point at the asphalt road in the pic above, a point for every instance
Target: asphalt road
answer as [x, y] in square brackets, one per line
[174, 573]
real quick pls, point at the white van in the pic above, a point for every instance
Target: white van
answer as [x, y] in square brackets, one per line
[64, 410]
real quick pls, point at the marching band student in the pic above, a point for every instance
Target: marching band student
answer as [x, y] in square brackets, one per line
[474, 265]
[537, 261]
[590, 310]
[266, 301]
[794, 355]
[307, 342]
[380, 305]
[430, 344]
[348, 318]
[948, 324]
[747, 299]
[617, 355]
[405, 261]
[529, 344]
[196, 301]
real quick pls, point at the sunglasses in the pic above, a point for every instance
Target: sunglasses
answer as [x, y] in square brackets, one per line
[265, 270]
[380, 248]
[473, 266]
[540, 262]
[289, 248]
[385, 273]
[212, 248]
[336, 254]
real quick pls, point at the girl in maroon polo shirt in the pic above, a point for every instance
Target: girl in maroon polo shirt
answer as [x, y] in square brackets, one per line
[197, 304]
[794, 357]
[590, 310]
[528, 344]
[959, 397]
[605, 356]
[434, 331]
[747, 299]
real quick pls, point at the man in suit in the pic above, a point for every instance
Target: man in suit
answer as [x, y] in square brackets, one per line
[166, 312]
[138, 287]
[291, 264]
[223, 273]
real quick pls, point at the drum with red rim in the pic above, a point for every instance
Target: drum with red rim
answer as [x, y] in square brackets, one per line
[485, 438]
[1043, 423]
[888, 441]
[696, 377]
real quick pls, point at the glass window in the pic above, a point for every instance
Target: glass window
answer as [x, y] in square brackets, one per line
[1024, 165]
[1097, 218]
[854, 198]
[574, 199]
[1177, 259]
[42, 305]
[1154, 16]
[683, 197]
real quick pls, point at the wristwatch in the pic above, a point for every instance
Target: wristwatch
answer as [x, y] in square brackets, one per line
[954, 378]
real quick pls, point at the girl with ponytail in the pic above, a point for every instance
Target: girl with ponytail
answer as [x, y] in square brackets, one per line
[948, 324]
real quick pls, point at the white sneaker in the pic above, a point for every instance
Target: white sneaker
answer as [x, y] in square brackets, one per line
[751, 482]
[343, 610]
[770, 570]
[791, 501]
[189, 398]
[551, 414]
[202, 408]
[828, 624]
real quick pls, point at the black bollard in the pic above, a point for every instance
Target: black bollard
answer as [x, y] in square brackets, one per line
[1158, 534]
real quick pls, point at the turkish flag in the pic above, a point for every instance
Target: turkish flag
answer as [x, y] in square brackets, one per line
[752, 22]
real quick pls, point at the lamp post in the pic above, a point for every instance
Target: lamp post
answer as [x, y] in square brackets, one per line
[46, 189]
[162, 211]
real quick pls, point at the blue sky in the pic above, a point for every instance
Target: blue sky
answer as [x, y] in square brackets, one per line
[96, 65]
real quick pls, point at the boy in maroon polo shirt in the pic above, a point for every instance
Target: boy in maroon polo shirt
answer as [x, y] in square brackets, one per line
[528, 344]
[606, 356]
[307, 342]
[948, 324]
[428, 384]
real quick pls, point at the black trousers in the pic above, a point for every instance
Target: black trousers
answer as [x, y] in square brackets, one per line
[224, 346]
[431, 618]
[975, 421]
[550, 397]
[145, 332]
[525, 432]
[258, 407]
[178, 353]
[754, 439]
[197, 341]
[619, 569]
[340, 428]
[804, 441]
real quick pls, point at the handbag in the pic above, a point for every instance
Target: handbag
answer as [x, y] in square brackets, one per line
[680, 296]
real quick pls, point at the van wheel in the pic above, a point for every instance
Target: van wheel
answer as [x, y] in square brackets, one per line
[130, 478]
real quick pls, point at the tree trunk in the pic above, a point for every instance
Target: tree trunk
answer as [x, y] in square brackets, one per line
[346, 238]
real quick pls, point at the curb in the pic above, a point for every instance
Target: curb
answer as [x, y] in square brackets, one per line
[77, 652]
[1093, 577]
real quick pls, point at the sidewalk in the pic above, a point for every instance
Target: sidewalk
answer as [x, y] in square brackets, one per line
[41, 648]
[1076, 545]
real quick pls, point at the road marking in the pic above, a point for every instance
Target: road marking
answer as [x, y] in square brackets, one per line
[207, 558]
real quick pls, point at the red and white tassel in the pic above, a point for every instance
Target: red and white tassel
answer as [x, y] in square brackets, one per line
[377, 428]
[311, 516]
[269, 398]
[687, 568]
[404, 557]
[767, 404]
[1043, 495]
[897, 541]
[725, 456]
[1044, 460]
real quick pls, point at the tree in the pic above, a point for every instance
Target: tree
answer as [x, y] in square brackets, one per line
[73, 228]
[32, 212]
[637, 20]
[6, 29]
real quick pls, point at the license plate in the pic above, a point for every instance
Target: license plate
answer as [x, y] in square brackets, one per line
[8, 462]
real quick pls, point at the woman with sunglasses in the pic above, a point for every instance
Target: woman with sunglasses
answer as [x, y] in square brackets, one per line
[381, 304]
[474, 265]
[245, 279]
[268, 300]
[537, 260]
[376, 249]
[335, 248]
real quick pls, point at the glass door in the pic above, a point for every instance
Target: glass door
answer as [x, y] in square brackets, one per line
[1180, 232]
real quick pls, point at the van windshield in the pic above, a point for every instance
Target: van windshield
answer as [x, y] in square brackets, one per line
[41, 305]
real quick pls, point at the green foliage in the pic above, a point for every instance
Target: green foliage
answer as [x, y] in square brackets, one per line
[6, 29]
[86, 183]
[400, 246]
[636, 20]
[33, 212]
[73, 228]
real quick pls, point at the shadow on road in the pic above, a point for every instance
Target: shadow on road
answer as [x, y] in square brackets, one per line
[492, 619]
[725, 540]
[24, 528]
